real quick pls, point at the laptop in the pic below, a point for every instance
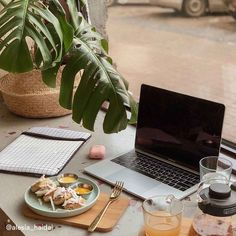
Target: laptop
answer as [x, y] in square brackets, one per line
[174, 131]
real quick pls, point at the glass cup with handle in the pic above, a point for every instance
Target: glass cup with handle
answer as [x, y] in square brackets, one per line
[214, 167]
[162, 216]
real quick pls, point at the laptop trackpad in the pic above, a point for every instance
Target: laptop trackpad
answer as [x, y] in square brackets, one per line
[134, 181]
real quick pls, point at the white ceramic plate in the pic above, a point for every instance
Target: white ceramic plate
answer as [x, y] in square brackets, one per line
[45, 209]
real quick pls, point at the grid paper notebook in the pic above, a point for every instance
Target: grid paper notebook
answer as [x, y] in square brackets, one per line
[41, 150]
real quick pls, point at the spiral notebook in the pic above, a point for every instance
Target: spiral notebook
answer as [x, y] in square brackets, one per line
[41, 150]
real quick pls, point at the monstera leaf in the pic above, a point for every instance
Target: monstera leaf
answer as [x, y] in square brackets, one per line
[63, 36]
[100, 81]
[30, 18]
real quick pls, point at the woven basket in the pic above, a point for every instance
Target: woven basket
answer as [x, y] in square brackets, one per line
[26, 95]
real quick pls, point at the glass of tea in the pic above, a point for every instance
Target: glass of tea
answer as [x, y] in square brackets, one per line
[162, 216]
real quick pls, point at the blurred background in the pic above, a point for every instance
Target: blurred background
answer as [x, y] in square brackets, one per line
[184, 45]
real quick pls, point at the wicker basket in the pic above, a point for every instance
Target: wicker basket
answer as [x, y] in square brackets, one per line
[26, 95]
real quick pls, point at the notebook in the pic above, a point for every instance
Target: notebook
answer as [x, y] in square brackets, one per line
[41, 150]
[174, 131]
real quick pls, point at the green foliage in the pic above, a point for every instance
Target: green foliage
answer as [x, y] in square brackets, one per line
[58, 35]
[26, 18]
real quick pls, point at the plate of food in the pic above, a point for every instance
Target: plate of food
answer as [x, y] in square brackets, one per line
[65, 195]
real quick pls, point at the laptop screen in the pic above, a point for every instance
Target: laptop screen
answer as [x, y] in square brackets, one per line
[178, 127]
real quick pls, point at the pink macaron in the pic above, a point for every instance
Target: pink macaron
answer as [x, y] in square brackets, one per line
[97, 152]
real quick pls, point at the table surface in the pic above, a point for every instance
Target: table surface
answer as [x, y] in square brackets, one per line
[13, 186]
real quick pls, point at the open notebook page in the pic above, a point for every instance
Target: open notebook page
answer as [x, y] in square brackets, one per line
[46, 154]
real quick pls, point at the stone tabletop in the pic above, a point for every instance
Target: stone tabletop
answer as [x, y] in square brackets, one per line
[14, 186]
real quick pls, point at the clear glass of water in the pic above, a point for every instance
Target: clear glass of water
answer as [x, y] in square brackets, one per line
[214, 167]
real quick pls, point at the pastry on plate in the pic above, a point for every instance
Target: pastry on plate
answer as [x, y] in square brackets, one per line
[74, 203]
[49, 194]
[42, 183]
[44, 189]
[61, 195]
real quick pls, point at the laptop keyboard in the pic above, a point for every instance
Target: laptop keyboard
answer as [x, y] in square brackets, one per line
[161, 171]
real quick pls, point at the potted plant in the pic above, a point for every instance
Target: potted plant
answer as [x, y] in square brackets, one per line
[62, 36]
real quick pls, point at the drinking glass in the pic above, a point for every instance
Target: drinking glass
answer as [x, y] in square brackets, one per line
[214, 167]
[162, 216]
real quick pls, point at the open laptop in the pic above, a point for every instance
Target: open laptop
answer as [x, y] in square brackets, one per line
[174, 131]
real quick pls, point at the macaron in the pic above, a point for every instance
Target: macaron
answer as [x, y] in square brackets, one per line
[97, 152]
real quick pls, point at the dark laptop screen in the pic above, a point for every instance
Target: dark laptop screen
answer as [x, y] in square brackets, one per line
[178, 127]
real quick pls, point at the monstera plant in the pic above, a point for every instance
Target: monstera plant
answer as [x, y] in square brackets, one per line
[62, 36]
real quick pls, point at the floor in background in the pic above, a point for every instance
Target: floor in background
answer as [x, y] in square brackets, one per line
[195, 56]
